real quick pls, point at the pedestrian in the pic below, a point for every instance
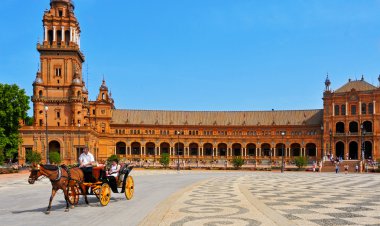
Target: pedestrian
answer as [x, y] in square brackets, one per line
[357, 168]
[320, 166]
[314, 166]
[346, 168]
[336, 167]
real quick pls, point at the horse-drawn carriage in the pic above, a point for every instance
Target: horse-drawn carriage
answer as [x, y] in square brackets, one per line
[71, 181]
[102, 185]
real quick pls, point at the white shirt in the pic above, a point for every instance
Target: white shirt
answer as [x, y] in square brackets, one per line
[114, 169]
[85, 159]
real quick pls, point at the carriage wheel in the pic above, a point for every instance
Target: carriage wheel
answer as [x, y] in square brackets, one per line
[105, 194]
[73, 194]
[129, 188]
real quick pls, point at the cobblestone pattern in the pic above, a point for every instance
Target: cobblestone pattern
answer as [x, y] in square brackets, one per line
[320, 199]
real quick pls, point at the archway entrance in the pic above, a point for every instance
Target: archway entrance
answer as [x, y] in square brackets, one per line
[368, 150]
[236, 149]
[120, 148]
[150, 146]
[207, 149]
[222, 149]
[251, 148]
[353, 150]
[193, 149]
[295, 149]
[311, 149]
[339, 149]
[136, 148]
[265, 149]
[164, 148]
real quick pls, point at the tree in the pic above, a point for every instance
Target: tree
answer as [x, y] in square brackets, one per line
[14, 104]
[300, 161]
[55, 157]
[165, 160]
[238, 162]
[33, 157]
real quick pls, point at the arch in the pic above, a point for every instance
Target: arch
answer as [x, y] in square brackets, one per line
[353, 150]
[40, 93]
[207, 149]
[222, 149]
[78, 94]
[339, 149]
[280, 147]
[150, 147]
[353, 127]
[367, 150]
[136, 148]
[179, 147]
[236, 149]
[164, 148]
[120, 148]
[295, 149]
[251, 149]
[311, 149]
[54, 146]
[194, 149]
[367, 126]
[265, 149]
[339, 127]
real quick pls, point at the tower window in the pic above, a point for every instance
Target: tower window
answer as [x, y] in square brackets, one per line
[58, 124]
[60, 13]
[41, 122]
[58, 114]
[58, 72]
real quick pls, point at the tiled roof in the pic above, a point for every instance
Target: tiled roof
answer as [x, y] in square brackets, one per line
[221, 118]
[358, 85]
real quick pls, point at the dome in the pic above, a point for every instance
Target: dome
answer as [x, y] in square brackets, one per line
[38, 80]
[84, 89]
[76, 81]
[103, 87]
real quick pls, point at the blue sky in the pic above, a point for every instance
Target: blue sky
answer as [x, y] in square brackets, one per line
[206, 54]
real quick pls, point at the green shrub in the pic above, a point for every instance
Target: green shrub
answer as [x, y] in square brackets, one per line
[33, 157]
[165, 160]
[237, 162]
[112, 158]
[54, 157]
[301, 161]
[1, 158]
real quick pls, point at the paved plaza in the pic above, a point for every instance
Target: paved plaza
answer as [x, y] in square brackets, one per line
[206, 198]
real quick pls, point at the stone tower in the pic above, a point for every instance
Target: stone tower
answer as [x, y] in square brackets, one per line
[59, 83]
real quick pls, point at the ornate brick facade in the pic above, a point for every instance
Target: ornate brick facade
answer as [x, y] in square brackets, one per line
[349, 117]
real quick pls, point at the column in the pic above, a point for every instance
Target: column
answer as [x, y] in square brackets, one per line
[259, 152]
[45, 34]
[274, 152]
[158, 150]
[374, 111]
[54, 34]
[244, 152]
[360, 108]
[71, 34]
[333, 109]
[216, 152]
[346, 113]
[63, 33]
[201, 151]
[256, 151]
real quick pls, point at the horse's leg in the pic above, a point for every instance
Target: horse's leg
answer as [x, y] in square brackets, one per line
[53, 192]
[84, 192]
[66, 194]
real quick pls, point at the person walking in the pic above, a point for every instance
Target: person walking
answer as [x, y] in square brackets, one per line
[346, 168]
[337, 167]
[320, 166]
[356, 168]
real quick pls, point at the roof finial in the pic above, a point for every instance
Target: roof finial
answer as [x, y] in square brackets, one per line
[378, 78]
[362, 78]
[327, 83]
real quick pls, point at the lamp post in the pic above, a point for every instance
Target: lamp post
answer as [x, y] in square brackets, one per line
[79, 139]
[362, 142]
[283, 147]
[322, 153]
[330, 132]
[178, 133]
[47, 140]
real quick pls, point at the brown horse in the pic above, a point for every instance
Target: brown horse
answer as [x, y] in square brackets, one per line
[61, 178]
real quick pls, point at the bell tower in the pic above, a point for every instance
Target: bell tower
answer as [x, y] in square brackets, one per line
[59, 83]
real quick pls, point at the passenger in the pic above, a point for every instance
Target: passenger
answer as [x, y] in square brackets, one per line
[86, 159]
[115, 168]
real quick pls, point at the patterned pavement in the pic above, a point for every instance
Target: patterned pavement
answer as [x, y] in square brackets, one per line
[279, 199]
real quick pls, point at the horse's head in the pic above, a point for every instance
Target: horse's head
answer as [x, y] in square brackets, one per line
[35, 173]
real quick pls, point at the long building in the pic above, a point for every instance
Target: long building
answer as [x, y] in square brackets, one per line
[65, 120]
